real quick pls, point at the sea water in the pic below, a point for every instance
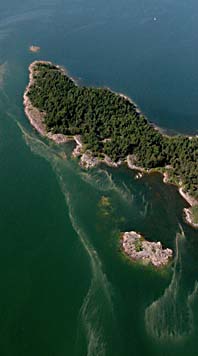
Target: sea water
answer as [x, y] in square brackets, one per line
[66, 288]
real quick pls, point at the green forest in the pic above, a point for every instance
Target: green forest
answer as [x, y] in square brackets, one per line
[110, 124]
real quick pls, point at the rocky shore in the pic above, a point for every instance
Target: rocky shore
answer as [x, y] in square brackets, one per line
[190, 200]
[188, 216]
[137, 248]
[34, 49]
[36, 117]
[87, 159]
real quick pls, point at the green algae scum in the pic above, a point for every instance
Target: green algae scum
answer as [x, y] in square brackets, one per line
[66, 288]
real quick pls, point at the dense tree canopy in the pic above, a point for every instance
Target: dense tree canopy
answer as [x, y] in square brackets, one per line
[110, 124]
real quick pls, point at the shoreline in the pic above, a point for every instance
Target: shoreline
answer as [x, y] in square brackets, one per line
[188, 198]
[36, 119]
[161, 130]
[188, 218]
[138, 249]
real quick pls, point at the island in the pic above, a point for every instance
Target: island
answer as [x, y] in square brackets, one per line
[139, 249]
[108, 127]
[34, 49]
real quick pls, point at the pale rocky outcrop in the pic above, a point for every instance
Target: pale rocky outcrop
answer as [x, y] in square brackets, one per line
[78, 150]
[139, 249]
[37, 117]
[87, 160]
[34, 48]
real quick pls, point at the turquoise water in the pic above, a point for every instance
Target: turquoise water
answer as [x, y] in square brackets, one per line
[65, 287]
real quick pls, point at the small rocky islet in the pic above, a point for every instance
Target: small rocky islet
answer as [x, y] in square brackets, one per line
[34, 49]
[137, 248]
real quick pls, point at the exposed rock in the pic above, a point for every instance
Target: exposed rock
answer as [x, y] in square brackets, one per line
[188, 215]
[138, 175]
[191, 201]
[87, 160]
[107, 160]
[37, 117]
[34, 49]
[131, 159]
[78, 150]
[139, 249]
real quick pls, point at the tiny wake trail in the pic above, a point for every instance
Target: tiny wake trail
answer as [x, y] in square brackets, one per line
[170, 318]
[96, 316]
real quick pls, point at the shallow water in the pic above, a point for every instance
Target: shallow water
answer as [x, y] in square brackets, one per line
[65, 287]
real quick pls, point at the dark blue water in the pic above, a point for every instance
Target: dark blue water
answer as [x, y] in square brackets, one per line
[119, 44]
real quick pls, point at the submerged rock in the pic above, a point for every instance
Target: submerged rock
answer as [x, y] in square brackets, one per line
[139, 249]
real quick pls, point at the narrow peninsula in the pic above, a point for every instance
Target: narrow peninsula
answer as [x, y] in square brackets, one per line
[108, 127]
